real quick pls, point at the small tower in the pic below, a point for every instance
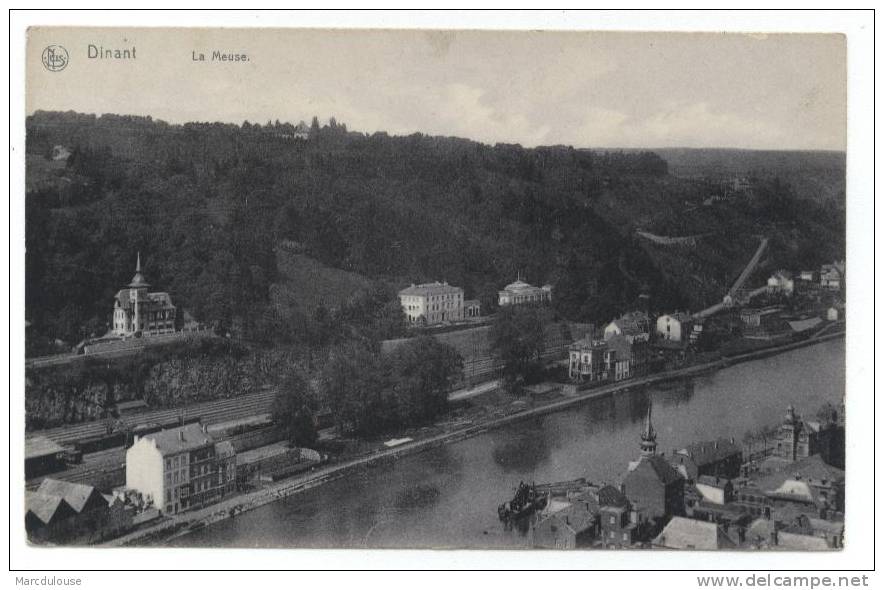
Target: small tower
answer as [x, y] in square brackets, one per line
[649, 436]
[138, 292]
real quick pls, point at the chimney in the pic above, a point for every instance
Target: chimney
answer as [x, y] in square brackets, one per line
[135, 439]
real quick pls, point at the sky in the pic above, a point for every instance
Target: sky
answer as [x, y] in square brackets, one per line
[586, 89]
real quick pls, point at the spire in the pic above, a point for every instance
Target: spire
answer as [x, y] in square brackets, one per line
[138, 280]
[649, 436]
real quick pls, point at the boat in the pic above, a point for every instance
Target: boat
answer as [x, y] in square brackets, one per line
[526, 501]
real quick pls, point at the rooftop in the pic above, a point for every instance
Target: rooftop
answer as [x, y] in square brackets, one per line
[426, 289]
[178, 440]
[686, 533]
[77, 495]
[40, 446]
[704, 453]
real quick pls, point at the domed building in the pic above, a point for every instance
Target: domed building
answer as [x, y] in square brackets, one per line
[137, 310]
[521, 293]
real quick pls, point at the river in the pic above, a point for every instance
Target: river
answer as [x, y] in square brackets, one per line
[448, 496]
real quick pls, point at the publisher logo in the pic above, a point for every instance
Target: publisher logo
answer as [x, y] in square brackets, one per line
[55, 58]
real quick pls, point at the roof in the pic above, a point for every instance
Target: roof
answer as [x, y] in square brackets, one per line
[713, 481]
[40, 446]
[784, 274]
[519, 285]
[811, 468]
[611, 496]
[427, 289]
[180, 439]
[45, 508]
[471, 302]
[708, 452]
[679, 316]
[802, 325]
[654, 466]
[686, 533]
[633, 323]
[77, 495]
[577, 516]
[787, 540]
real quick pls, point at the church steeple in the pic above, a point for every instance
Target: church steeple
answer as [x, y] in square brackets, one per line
[649, 436]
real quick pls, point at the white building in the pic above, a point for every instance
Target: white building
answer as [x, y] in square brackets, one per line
[832, 276]
[136, 310]
[181, 468]
[675, 327]
[635, 326]
[782, 282]
[522, 293]
[432, 303]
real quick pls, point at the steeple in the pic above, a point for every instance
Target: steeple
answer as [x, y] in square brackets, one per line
[649, 436]
[138, 280]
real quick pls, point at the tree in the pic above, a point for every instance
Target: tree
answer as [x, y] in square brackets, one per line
[423, 371]
[517, 339]
[353, 384]
[294, 408]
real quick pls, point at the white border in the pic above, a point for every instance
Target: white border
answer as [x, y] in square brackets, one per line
[858, 555]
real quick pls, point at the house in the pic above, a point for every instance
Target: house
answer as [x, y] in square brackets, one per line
[432, 303]
[635, 326]
[714, 489]
[567, 526]
[522, 293]
[797, 438]
[686, 533]
[592, 359]
[809, 485]
[618, 522]
[181, 468]
[808, 276]
[653, 487]
[722, 457]
[138, 311]
[781, 282]
[63, 511]
[675, 327]
[754, 317]
[832, 276]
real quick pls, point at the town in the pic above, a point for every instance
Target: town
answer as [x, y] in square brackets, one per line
[158, 473]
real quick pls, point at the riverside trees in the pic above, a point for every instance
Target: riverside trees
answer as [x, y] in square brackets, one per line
[369, 393]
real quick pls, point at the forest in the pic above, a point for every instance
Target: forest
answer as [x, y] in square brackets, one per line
[219, 210]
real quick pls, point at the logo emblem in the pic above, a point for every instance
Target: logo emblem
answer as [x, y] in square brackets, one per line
[55, 58]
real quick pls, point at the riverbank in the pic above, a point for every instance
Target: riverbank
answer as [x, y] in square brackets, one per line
[175, 527]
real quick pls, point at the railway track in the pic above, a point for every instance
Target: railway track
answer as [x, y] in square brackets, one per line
[210, 412]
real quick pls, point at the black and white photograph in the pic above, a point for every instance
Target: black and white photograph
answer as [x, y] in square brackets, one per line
[426, 288]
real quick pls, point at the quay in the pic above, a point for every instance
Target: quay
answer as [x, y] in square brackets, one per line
[186, 522]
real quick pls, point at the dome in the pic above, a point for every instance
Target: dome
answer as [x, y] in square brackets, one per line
[519, 285]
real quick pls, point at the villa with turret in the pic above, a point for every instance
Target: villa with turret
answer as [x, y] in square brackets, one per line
[138, 310]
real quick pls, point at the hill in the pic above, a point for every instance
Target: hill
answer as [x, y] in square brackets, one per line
[209, 205]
